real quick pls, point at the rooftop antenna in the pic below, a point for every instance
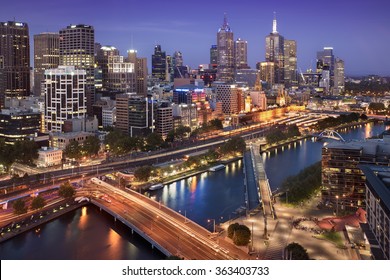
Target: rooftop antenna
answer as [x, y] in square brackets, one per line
[274, 25]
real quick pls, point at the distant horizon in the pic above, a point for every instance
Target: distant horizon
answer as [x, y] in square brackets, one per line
[359, 34]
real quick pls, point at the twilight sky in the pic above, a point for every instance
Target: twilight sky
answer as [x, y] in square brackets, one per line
[359, 31]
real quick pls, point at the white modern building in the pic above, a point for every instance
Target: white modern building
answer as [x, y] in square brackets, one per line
[49, 157]
[65, 96]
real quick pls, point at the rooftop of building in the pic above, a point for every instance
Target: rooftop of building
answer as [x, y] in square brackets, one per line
[367, 147]
[378, 178]
[71, 135]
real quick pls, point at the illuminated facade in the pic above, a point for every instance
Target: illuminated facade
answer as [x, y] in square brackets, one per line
[65, 96]
[290, 63]
[274, 52]
[241, 54]
[14, 60]
[77, 48]
[159, 63]
[225, 51]
[141, 71]
[46, 56]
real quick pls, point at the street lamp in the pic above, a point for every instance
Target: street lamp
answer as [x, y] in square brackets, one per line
[337, 205]
[209, 220]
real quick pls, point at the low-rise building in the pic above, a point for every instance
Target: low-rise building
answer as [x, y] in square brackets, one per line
[49, 157]
[61, 140]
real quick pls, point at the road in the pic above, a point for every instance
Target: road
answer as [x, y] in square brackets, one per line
[168, 228]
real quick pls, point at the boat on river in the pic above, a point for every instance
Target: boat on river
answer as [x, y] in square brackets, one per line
[217, 167]
[156, 187]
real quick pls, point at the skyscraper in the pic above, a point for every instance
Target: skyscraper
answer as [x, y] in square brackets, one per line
[325, 65]
[15, 59]
[65, 96]
[102, 56]
[141, 71]
[46, 56]
[77, 46]
[339, 78]
[274, 52]
[290, 63]
[214, 54]
[241, 54]
[225, 49]
[159, 63]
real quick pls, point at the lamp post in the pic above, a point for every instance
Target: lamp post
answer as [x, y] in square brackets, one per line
[209, 220]
[337, 205]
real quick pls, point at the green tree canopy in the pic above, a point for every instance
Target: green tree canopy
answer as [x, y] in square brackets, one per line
[26, 151]
[296, 252]
[73, 150]
[143, 173]
[235, 145]
[19, 206]
[240, 234]
[7, 154]
[216, 124]
[91, 146]
[66, 190]
[154, 141]
[38, 203]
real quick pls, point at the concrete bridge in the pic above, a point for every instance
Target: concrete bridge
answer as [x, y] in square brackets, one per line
[165, 229]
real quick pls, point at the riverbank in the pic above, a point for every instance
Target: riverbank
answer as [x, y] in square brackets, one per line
[185, 175]
[37, 218]
[287, 143]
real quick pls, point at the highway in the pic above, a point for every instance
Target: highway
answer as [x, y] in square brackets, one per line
[168, 228]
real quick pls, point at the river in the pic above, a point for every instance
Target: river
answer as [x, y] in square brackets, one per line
[89, 234]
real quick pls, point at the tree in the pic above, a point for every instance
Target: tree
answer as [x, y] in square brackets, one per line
[154, 141]
[240, 234]
[7, 154]
[182, 132]
[143, 173]
[235, 145]
[19, 207]
[26, 151]
[296, 251]
[73, 150]
[91, 146]
[38, 203]
[216, 124]
[66, 190]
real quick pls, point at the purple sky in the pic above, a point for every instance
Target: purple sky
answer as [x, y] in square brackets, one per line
[359, 33]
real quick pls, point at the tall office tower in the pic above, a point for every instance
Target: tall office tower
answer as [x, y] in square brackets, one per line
[179, 70]
[46, 56]
[121, 76]
[290, 63]
[267, 73]
[159, 63]
[225, 49]
[102, 57]
[227, 94]
[177, 59]
[65, 95]
[2, 80]
[325, 64]
[241, 51]
[15, 57]
[214, 54]
[141, 71]
[274, 52]
[339, 78]
[77, 48]
[135, 114]
[164, 119]
[169, 69]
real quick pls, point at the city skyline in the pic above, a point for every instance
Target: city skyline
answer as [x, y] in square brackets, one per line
[352, 30]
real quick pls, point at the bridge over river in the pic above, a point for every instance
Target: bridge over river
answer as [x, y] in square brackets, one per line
[165, 229]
